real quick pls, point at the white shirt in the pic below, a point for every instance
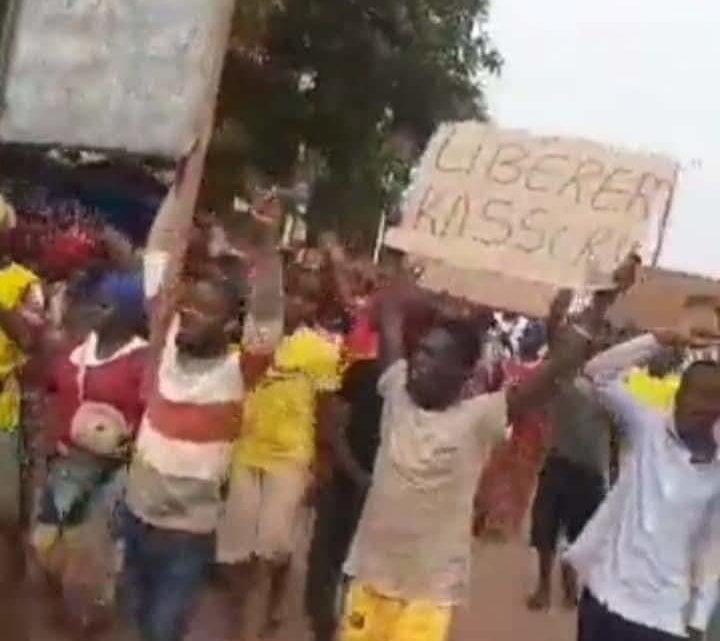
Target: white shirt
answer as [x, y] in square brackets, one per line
[414, 539]
[646, 553]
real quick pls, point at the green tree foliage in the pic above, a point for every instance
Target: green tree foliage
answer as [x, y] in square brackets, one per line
[359, 84]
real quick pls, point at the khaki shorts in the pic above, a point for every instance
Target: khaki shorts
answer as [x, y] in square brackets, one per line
[262, 513]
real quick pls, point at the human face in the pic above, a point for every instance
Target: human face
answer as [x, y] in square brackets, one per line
[301, 306]
[92, 310]
[697, 410]
[299, 310]
[205, 219]
[436, 373]
[205, 315]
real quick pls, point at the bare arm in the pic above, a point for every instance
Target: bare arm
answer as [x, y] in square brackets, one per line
[611, 363]
[168, 240]
[175, 216]
[12, 323]
[538, 388]
[572, 349]
[558, 311]
[338, 418]
[389, 315]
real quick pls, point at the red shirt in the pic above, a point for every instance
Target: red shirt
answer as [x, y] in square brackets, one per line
[116, 381]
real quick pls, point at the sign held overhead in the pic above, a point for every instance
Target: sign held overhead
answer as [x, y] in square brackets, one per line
[127, 75]
[536, 208]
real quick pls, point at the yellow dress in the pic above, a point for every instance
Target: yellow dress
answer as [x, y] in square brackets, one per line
[657, 393]
[279, 414]
[15, 280]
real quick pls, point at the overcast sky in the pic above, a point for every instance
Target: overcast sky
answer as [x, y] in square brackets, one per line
[644, 74]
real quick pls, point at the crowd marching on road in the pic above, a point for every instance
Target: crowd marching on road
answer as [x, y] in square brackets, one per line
[167, 423]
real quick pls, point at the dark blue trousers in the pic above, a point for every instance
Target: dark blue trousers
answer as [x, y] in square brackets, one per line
[165, 570]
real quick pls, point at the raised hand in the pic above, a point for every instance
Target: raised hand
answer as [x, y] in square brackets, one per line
[625, 276]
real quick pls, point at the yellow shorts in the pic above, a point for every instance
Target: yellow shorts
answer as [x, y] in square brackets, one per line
[370, 616]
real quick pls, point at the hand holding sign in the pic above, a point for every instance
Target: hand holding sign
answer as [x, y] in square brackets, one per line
[626, 273]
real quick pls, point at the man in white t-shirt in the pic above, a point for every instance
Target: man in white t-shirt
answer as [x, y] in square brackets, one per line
[411, 556]
[195, 393]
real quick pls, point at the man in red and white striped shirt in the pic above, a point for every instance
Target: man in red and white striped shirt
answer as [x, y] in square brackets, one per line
[183, 451]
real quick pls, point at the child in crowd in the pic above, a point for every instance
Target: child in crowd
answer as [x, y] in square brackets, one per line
[196, 389]
[275, 456]
[95, 406]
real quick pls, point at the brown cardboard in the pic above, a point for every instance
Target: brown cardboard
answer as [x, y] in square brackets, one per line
[531, 208]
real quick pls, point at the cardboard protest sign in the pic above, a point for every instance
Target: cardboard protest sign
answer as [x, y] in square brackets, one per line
[491, 289]
[532, 208]
[127, 75]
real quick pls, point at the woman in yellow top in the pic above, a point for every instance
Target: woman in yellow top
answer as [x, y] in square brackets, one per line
[274, 457]
[20, 302]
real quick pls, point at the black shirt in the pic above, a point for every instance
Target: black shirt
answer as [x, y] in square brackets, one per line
[359, 390]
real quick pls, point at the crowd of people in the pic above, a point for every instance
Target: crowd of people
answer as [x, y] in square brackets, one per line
[183, 413]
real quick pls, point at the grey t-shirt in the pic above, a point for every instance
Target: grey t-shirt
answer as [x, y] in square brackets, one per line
[581, 426]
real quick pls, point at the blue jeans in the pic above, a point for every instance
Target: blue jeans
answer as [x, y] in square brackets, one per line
[164, 573]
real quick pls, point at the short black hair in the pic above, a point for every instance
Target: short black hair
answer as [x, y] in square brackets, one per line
[466, 337]
[233, 293]
[696, 366]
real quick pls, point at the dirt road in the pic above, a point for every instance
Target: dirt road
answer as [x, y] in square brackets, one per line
[502, 577]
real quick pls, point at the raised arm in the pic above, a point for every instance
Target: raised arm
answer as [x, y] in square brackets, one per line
[572, 344]
[392, 306]
[171, 226]
[571, 351]
[611, 363]
[558, 311]
[606, 373]
[167, 242]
